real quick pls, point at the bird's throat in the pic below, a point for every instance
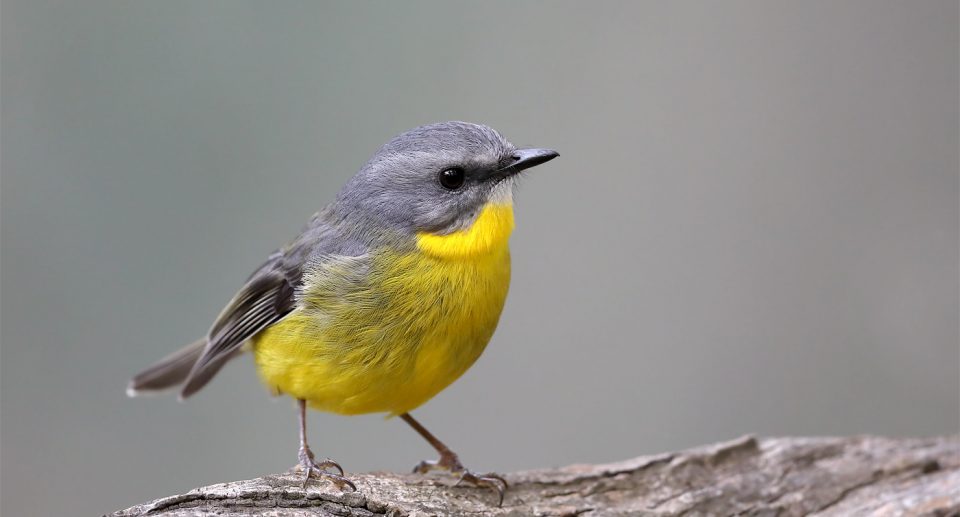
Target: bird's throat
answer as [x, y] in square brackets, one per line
[489, 233]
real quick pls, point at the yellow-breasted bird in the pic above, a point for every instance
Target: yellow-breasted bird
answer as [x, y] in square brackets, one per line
[388, 294]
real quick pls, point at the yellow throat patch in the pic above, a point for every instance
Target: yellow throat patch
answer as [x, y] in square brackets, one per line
[488, 233]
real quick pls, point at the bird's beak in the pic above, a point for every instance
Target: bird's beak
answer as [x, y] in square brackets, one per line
[526, 158]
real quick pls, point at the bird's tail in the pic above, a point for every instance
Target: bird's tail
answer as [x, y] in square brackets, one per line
[168, 372]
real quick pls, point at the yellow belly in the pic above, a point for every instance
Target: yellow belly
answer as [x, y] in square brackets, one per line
[387, 333]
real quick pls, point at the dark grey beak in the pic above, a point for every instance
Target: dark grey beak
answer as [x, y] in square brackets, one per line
[526, 158]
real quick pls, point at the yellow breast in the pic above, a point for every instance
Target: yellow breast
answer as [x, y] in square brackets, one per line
[388, 332]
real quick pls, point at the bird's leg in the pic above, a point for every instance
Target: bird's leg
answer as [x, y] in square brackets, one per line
[307, 462]
[450, 462]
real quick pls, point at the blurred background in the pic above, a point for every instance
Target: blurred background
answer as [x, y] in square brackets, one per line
[752, 228]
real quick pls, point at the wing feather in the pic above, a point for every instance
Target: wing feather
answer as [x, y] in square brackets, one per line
[265, 299]
[268, 296]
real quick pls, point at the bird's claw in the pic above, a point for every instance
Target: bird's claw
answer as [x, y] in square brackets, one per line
[488, 480]
[452, 464]
[338, 480]
[426, 466]
[311, 467]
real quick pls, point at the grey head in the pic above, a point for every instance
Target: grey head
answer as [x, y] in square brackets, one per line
[435, 178]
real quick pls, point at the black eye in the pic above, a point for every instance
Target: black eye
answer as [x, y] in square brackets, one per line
[452, 178]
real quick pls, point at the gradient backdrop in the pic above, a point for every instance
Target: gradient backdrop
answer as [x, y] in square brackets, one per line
[752, 228]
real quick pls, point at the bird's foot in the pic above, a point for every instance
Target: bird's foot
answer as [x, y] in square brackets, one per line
[451, 463]
[321, 469]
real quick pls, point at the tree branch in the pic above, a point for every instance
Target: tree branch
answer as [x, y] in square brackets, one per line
[775, 476]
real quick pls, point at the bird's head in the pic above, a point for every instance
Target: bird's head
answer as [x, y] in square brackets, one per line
[441, 180]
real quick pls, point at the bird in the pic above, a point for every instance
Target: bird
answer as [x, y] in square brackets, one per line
[386, 297]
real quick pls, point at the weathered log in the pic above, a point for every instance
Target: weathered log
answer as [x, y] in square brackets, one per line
[774, 476]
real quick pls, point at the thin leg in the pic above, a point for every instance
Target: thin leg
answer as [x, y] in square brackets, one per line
[302, 405]
[451, 462]
[445, 452]
[306, 458]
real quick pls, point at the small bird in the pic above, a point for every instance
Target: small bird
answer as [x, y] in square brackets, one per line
[387, 296]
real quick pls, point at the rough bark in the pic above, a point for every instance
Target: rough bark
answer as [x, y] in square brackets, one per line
[776, 477]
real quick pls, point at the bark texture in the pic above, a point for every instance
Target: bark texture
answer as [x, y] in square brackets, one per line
[746, 476]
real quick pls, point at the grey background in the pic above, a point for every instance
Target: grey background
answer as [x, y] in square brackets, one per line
[753, 226]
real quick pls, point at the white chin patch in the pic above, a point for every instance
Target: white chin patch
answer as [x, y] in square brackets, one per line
[502, 193]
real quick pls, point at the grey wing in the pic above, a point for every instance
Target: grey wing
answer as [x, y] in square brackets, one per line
[267, 297]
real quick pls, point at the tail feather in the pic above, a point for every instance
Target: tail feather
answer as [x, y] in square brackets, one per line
[168, 372]
[201, 377]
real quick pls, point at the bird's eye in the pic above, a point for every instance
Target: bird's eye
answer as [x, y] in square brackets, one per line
[452, 178]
